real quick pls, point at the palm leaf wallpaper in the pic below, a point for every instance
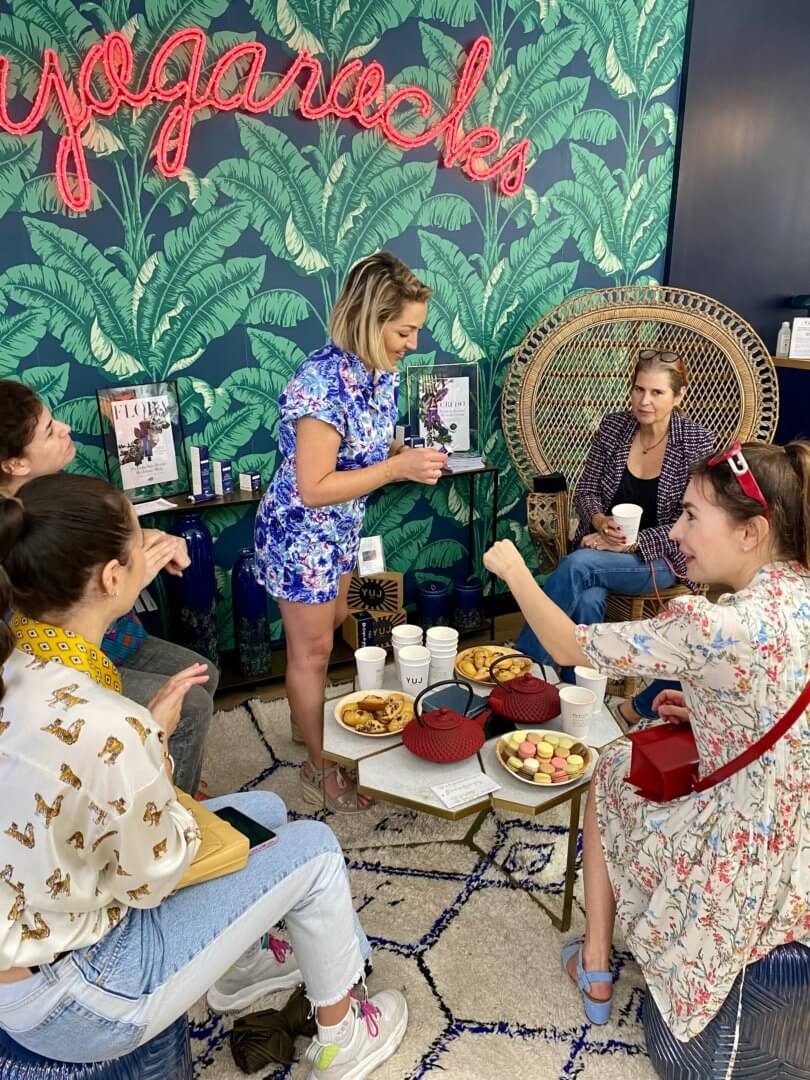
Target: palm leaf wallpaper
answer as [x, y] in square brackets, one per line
[224, 276]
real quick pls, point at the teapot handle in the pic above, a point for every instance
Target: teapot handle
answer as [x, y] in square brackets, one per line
[513, 656]
[435, 686]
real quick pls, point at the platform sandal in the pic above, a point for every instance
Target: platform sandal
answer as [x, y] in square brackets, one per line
[598, 1012]
[313, 786]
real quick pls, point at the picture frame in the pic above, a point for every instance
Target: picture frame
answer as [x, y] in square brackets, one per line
[144, 439]
[443, 405]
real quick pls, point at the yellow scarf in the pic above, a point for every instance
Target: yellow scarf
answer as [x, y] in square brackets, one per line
[48, 642]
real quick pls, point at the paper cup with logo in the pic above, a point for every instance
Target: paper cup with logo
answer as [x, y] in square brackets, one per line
[576, 706]
[594, 681]
[407, 634]
[414, 668]
[628, 517]
[370, 665]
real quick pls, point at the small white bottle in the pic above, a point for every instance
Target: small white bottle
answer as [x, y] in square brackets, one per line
[783, 340]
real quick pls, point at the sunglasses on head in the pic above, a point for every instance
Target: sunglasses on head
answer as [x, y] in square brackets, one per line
[661, 354]
[735, 459]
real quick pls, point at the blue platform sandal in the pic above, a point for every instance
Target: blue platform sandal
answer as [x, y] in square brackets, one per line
[598, 1012]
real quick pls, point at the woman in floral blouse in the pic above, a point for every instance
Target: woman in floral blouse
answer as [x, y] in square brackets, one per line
[336, 442]
[705, 884]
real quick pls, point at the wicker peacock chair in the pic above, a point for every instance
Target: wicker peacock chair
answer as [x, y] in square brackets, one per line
[575, 366]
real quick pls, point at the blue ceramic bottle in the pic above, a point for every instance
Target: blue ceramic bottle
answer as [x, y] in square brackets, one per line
[194, 595]
[434, 604]
[468, 612]
[251, 625]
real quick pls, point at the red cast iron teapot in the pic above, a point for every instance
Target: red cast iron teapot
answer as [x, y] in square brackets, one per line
[443, 734]
[525, 701]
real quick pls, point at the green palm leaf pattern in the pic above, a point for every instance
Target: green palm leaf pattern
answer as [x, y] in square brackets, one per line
[49, 383]
[609, 32]
[19, 336]
[81, 414]
[226, 437]
[388, 509]
[40, 195]
[454, 315]
[19, 159]
[411, 539]
[166, 16]
[282, 307]
[65, 27]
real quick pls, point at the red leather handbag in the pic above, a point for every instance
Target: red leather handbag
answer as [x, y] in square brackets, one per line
[664, 761]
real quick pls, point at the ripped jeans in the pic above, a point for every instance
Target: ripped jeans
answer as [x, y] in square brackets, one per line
[105, 1000]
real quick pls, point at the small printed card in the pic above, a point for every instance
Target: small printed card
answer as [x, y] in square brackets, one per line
[468, 789]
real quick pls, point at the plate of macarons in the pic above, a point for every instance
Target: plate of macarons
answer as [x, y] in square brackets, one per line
[548, 758]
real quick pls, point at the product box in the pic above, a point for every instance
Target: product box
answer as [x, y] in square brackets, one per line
[363, 628]
[380, 593]
[250, 482]
[223, 477]
[200, 471]
[402, 432]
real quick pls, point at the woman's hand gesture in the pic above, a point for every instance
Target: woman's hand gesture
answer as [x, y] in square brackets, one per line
[504, 559]
[671, 705]
[421, 465]
[167, 703]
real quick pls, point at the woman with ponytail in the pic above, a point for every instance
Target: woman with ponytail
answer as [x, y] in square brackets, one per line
[98, 952]
[704, 884]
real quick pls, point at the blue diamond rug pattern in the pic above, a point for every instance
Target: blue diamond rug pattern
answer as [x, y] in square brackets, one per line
[477, 959]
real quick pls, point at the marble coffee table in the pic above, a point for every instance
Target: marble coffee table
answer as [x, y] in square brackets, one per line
[387, 771]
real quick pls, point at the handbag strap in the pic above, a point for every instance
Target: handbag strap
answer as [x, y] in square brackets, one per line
[758, 748]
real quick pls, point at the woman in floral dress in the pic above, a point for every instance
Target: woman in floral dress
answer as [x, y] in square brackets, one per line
[705, 884]
[336, 431]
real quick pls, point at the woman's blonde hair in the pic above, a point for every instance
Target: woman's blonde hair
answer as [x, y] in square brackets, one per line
[373, 293]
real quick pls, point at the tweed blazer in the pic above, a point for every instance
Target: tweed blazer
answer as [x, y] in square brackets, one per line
[688, 442]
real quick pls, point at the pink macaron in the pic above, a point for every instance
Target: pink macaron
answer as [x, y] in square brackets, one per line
[558, 763]
[561, 774]
[527, 750]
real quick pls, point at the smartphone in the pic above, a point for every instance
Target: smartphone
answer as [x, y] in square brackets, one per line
[549, 483]
[259, 836]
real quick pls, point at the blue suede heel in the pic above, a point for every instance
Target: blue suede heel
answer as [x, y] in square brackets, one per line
[598, 1012]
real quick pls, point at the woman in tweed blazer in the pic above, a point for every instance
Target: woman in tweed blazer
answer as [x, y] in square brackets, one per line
[640, 456]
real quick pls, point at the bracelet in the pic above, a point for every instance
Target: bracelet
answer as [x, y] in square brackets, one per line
[168, 757]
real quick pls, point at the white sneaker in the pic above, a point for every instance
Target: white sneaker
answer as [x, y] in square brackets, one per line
[272, 968]
[379, 1028]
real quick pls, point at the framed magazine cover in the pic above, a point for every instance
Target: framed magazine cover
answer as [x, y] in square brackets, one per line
[144, 440]
[443, 405]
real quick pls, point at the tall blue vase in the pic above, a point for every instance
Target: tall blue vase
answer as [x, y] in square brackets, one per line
[194, 595]
[251, 625]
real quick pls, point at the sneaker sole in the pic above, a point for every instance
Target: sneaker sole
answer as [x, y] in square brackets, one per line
[367, 1066]
[223, 1003]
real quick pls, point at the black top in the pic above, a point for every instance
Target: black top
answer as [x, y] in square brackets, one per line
[643, 493]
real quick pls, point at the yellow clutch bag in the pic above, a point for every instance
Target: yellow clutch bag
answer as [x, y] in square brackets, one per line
[223, 849]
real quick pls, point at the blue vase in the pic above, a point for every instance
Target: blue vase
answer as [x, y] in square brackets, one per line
[194, 595]
[468, 612]
[251, 625]
[434, 604]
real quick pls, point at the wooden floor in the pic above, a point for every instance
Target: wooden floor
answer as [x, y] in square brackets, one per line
[507, 628]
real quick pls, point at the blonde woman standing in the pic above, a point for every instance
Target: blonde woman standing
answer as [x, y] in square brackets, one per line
[336, 429]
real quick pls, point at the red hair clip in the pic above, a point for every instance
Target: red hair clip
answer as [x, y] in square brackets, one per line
[742, 471]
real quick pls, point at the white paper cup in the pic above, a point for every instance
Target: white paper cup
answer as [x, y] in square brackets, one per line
[594, 681]
[414, 668]
[406, 634]
[576, 705]
[441, 668]
[628, 517]
[370, 664]
[441, 638]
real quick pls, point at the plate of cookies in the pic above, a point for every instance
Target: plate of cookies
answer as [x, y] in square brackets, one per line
[474, 664]
[543, 757]
[375, 713]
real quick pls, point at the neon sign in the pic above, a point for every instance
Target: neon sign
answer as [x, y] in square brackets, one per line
[357, 93]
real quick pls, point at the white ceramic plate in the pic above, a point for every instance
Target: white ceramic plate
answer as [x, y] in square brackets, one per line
[495, 651]
[525, 780]
[358, 695]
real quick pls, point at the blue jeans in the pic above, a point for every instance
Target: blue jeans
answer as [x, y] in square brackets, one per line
[105, 1000]
[580, 585]
[643, 702]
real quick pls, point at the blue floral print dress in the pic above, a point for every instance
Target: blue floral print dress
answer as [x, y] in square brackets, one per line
[710, 882]
[302, 551]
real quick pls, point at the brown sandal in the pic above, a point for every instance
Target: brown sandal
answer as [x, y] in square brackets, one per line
[314, 789]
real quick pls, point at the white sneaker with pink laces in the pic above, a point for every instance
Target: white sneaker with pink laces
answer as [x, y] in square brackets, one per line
[269, 965]
[379, 1028]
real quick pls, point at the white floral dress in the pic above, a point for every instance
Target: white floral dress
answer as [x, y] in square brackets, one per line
[708, 883]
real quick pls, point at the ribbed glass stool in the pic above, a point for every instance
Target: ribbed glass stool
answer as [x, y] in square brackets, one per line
[774, 1027]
